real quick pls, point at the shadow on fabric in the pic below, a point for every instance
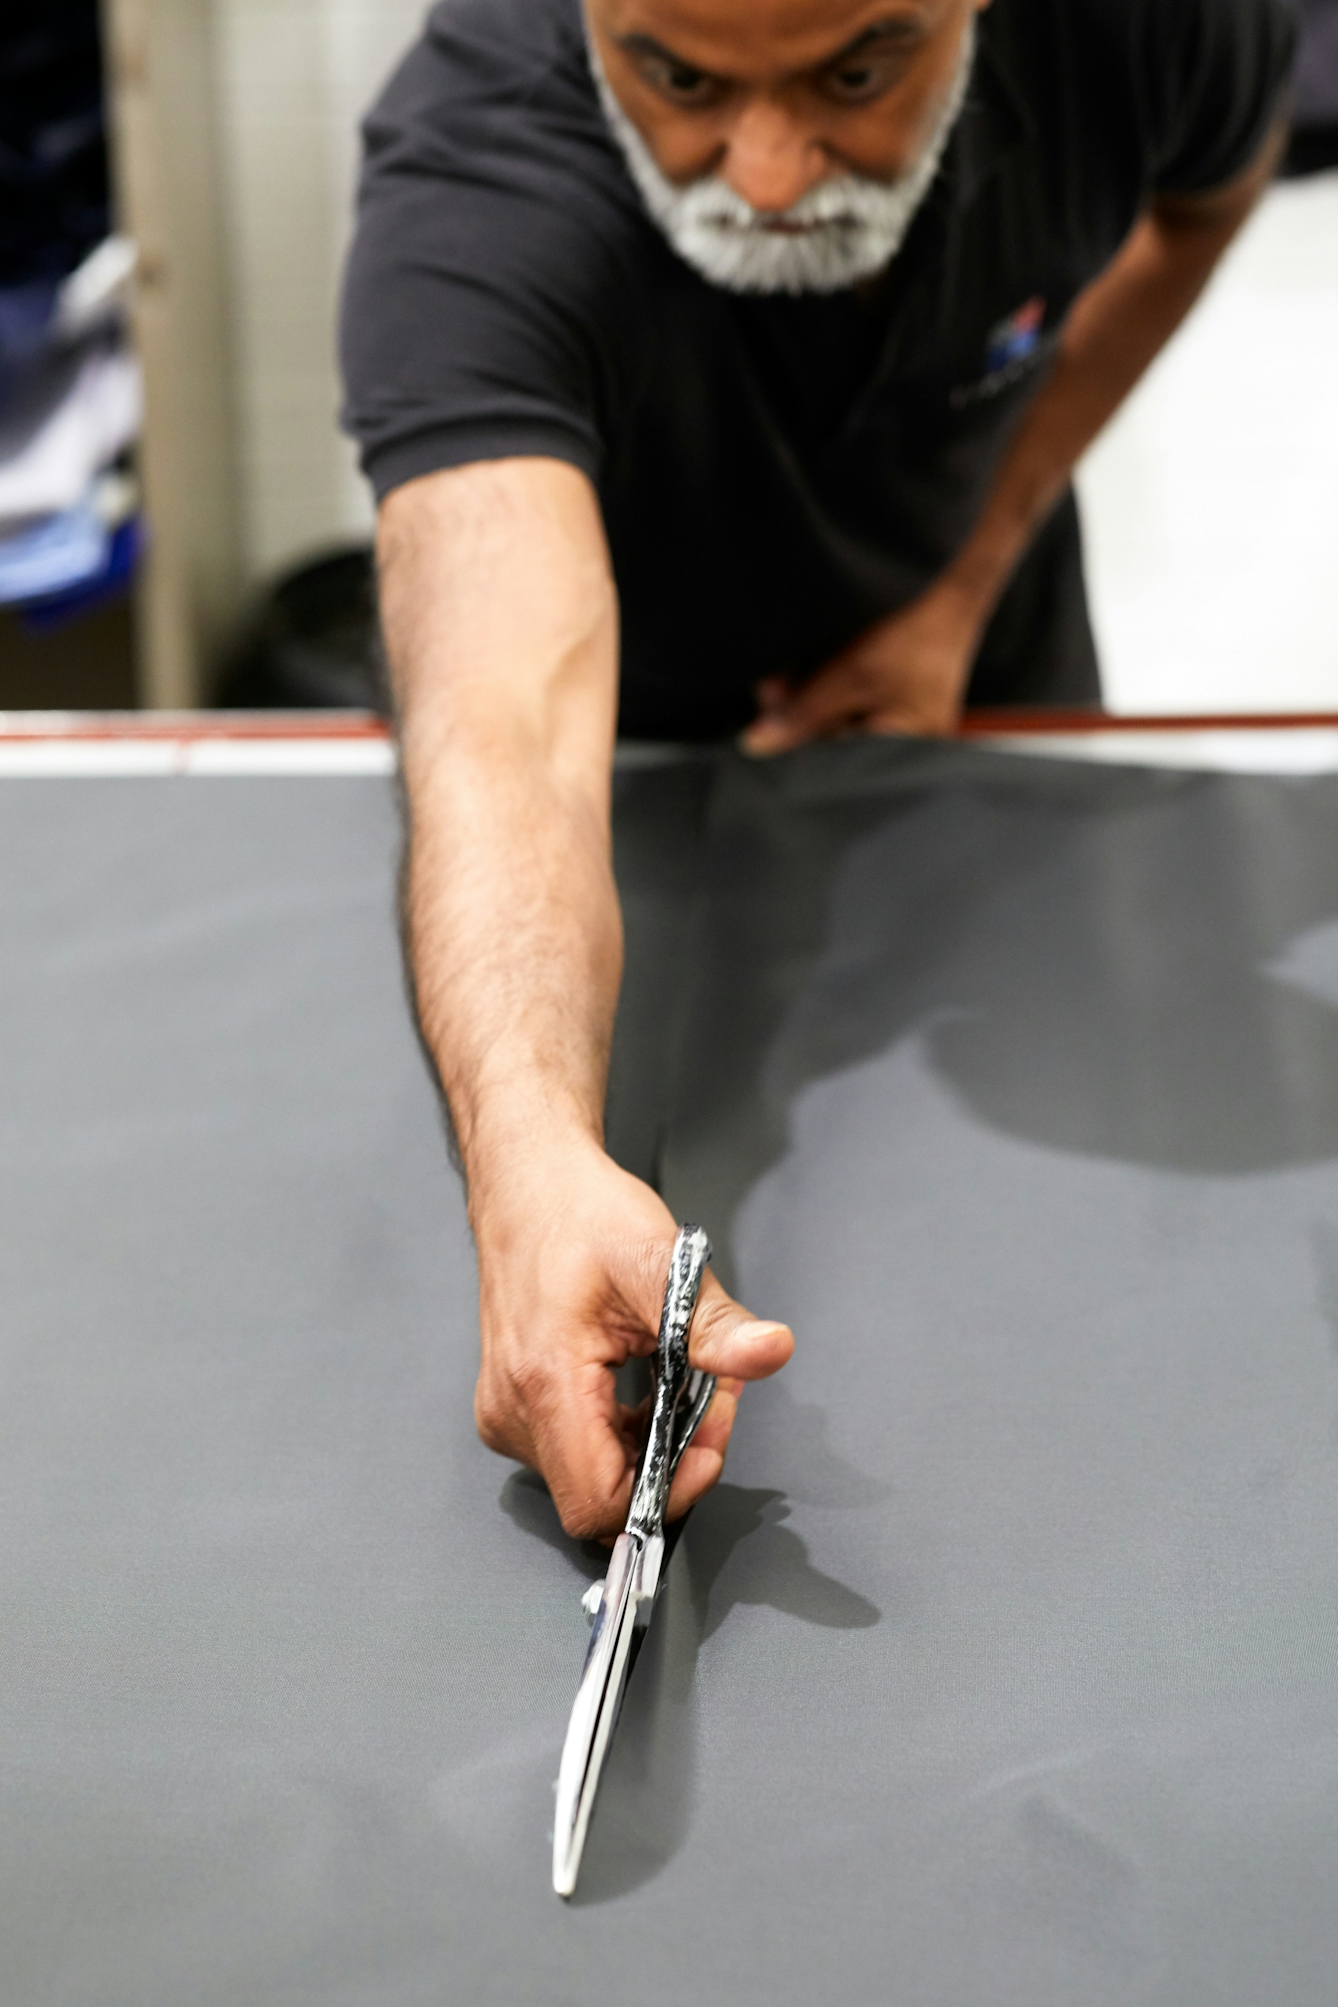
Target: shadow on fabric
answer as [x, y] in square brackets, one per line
[736, 1549]
[1096, 957]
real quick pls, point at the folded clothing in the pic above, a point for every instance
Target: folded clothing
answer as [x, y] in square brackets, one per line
[62, 564]
[46, 317]
[70, 394]
[75, 413]
[27, 319]
[52, 554]
[70, 407]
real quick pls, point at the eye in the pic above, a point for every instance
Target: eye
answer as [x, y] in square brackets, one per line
[862, 79]
[679, 82]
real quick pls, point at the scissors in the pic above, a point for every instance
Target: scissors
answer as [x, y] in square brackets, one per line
[620, 1607]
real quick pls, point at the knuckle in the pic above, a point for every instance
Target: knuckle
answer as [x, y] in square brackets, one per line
[650, 1258]
[581, 1521]
[528, 1379]
[491, 1420]
[506, 1403]
[584, 1516]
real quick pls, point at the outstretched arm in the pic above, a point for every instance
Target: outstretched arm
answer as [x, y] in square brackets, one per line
[501, 625]
[909, 673]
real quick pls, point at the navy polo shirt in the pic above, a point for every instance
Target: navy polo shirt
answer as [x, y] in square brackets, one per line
[774, 473]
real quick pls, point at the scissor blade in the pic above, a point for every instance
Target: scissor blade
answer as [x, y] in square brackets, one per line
[629, 1593]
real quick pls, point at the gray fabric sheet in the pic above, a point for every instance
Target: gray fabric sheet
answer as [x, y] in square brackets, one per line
[1001, 1670]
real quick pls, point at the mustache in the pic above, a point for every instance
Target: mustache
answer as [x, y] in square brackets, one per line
[842, 203]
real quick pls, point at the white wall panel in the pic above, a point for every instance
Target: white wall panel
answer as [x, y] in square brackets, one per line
[294, 77]
[1211, 502]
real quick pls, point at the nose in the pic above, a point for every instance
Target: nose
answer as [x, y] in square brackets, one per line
[769, 159]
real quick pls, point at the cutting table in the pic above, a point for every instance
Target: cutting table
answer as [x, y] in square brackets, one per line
[1001, 1670]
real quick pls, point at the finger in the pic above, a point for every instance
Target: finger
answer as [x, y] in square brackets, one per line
[584, 1453]
[714, 1429]
[699, 1468]
[729, 1341]
[828, 702]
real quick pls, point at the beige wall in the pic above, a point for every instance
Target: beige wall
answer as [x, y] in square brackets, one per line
[293, 77]
[162, 80]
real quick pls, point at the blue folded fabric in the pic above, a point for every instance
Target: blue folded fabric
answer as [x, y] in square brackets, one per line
[123, 550]
[66, 563]
[53, 554]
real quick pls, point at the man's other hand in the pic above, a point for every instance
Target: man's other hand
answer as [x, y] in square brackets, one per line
[573, 1259]
[907, 674]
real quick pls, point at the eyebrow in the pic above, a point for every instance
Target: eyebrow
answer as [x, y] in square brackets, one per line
[903, 29]
[646, 45]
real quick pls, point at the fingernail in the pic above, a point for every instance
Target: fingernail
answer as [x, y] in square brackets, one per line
[758, 1328]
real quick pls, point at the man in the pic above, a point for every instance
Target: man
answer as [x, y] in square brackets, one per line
[720, 366]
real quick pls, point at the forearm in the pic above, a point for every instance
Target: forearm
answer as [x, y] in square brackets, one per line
[1115, 329]
[515, 943]
[512, 918]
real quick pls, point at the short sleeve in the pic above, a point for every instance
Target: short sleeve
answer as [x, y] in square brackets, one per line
[475, 299]
[1217, 73]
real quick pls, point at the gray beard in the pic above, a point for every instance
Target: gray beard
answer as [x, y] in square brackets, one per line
[860, 224]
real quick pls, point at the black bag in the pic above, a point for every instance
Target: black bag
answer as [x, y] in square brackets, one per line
[1314, 140]
[314, 641]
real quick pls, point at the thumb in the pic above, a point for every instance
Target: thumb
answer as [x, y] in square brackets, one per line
[730, 1342]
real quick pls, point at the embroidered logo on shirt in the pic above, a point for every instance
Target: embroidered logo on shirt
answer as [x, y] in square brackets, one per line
[1014, 337]
[1012, 347]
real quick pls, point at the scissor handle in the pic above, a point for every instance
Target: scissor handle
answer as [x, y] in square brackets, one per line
[697, 1396]
[669, 1432]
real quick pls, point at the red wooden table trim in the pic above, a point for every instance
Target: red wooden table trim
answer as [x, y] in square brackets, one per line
[1021, 719]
